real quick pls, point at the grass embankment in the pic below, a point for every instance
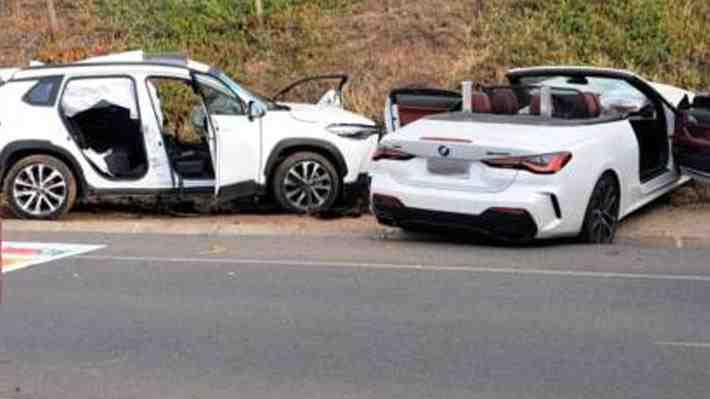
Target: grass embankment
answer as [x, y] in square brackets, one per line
[384, 43]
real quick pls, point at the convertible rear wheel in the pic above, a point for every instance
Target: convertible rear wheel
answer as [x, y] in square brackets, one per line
[306, 182]
[40, 187]
[602, 215]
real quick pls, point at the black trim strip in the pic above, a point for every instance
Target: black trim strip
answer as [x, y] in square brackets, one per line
[556, 206]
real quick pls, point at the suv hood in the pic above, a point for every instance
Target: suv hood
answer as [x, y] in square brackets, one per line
[325, 114]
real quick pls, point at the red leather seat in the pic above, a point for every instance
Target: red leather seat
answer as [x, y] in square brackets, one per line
[594, 104]
[481, 103]
[535, 105]
[504, 101]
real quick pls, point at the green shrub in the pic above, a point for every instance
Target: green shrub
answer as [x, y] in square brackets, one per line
[663, 39]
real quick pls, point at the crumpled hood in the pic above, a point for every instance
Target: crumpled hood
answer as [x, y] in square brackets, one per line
[325, 114]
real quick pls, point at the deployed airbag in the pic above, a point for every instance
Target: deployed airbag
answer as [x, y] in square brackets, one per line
[82, 95]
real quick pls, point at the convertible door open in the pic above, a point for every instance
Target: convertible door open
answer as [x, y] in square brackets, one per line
[405, 106]
[691, 143]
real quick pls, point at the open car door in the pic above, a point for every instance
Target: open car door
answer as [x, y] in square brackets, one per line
[405, 106]
[309, 89]
[234, 139]
[691, 142]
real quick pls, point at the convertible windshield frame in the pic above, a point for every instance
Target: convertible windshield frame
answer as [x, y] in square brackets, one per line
[514, 77]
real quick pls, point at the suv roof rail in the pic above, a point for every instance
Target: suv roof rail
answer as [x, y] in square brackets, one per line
[166, 58]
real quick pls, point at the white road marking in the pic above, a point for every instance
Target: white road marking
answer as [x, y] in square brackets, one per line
[47, 252]
[692, 345]
[390, 266]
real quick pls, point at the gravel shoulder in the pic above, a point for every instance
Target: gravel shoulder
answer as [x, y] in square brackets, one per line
[661, 224]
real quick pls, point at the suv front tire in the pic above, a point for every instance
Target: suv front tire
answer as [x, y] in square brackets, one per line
[306, 182]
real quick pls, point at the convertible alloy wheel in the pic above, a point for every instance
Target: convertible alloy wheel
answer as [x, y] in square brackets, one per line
[603, 212]
[306, 182]
[40, 187]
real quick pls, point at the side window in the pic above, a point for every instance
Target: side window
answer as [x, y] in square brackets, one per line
[87, 94]
[44, 92]
[178, 109]
[218, 98]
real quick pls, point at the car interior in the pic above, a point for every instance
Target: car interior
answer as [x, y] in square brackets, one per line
[528, 100]
[557, 97]
[183, 127]
[106, 127]
[651, 129]
[416, 103]
[691, 145]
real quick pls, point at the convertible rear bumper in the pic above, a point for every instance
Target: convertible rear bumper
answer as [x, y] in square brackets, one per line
[504, 223]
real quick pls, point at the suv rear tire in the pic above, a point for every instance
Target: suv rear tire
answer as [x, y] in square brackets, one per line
[40, 187]
[306, 182]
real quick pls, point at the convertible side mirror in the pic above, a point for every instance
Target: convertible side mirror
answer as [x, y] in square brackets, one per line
[255, 111]
[702, 101]
[646, 112]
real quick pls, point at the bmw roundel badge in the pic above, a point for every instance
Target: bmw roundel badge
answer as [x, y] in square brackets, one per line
[444, 151]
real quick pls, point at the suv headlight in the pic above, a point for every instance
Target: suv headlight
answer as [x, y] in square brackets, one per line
[353, 130]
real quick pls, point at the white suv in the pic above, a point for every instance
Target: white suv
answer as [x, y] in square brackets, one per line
[131, 124]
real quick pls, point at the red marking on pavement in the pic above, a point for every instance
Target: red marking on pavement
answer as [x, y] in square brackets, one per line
[21, 251]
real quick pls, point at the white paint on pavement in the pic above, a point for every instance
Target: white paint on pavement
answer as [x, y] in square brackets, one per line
[21, 255]
[690, 345]
[388, 266]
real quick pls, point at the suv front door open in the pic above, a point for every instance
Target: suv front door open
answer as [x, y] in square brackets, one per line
[235, 140]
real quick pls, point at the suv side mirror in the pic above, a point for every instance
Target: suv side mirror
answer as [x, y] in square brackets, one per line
[255, 111]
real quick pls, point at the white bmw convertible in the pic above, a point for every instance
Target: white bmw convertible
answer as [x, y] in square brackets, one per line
[560, 151]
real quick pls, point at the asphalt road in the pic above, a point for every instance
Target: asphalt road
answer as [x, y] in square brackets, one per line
[310, 317]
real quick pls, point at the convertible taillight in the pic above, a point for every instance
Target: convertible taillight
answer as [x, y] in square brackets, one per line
[545, 164]
[391, 154]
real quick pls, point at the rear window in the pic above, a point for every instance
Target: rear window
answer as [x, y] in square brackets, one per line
[44, 92]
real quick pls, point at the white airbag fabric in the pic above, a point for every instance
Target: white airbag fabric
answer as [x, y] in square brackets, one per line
[85, 94]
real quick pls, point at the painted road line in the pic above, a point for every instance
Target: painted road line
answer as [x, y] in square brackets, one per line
[690, 345]
[387, 266]
[21, 255]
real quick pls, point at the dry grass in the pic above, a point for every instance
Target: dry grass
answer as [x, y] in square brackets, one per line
[398, 42]
[28, 37]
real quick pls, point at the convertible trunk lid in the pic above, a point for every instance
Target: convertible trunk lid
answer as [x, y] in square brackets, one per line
[474, 137]
[449, 150]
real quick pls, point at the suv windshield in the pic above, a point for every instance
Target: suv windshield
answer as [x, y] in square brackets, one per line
[245, 93]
